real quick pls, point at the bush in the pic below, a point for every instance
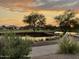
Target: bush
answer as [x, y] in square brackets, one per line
[14, 47]
[68, 46]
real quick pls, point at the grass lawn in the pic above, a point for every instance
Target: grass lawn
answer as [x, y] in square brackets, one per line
[19, 31]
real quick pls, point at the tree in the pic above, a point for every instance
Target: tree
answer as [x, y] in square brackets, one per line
[67, 21]
[34, 20]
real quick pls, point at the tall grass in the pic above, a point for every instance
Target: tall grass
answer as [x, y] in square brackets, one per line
[68, 45]
[14, 47]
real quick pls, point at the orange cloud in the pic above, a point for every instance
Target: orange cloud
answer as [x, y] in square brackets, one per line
[12, 17]
[8, 17]
[12, 22]
[19, 4]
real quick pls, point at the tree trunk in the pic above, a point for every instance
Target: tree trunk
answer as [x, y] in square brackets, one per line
[34, 27]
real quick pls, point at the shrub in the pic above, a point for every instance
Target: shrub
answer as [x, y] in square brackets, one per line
[14, 47]
[68, 46]
[47, 39]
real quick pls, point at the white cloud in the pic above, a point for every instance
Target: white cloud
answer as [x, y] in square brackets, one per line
[43, 4]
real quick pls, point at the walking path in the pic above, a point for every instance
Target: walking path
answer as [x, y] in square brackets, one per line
[43, 50]
[48, 52]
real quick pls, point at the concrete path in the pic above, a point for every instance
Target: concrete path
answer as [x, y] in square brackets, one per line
[57, 56]
[43, 50]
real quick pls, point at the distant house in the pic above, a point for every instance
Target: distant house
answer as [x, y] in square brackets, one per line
[8, 27]
[3, 27]
[11, 27]
[25, 27]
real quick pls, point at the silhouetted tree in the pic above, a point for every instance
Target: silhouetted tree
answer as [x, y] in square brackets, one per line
[67, 21]
[34, 20]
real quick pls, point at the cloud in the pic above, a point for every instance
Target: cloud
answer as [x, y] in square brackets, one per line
[69, 4]
[61, 4]
[20, 5]
[13, 3]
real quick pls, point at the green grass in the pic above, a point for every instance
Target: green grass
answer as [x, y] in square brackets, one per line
[16, 31]
[21, 31]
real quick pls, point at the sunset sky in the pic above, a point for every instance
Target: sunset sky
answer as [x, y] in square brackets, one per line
[12, 12]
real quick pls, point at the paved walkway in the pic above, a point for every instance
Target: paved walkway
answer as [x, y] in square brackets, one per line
[43, 50]
[48, 52]
[55, 56]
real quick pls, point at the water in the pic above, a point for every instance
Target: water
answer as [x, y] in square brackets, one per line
[38, 38]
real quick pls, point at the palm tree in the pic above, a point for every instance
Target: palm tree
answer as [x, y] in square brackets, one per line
[67, 21]
[34, 20]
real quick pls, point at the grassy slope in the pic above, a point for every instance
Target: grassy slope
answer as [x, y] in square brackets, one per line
[19, 31]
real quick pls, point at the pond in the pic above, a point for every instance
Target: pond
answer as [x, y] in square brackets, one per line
[40, 38]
